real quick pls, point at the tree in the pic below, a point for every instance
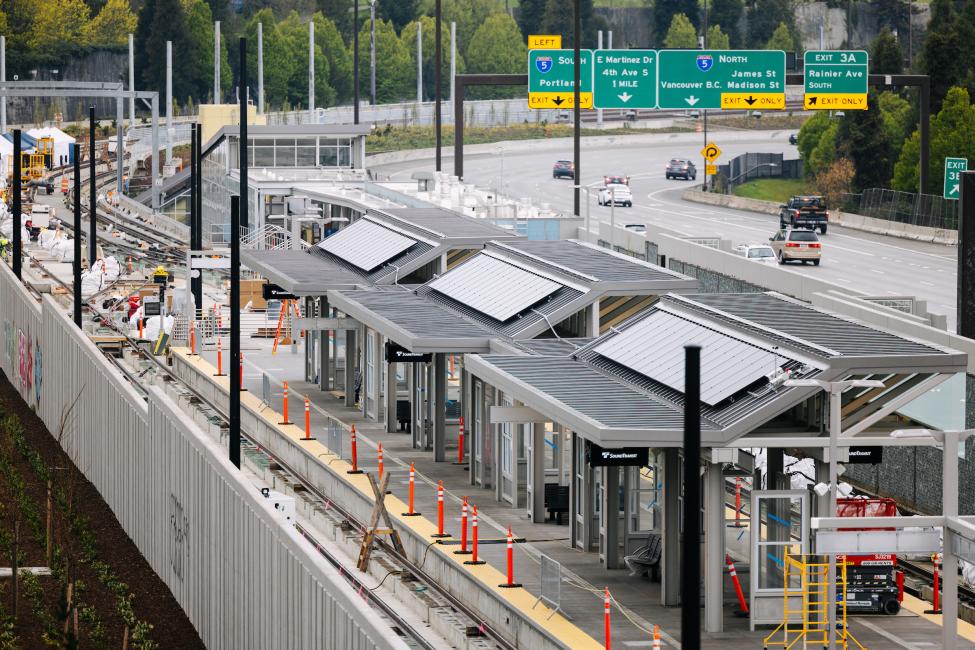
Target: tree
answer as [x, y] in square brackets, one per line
[862, 139]
[952, 134]
[398, 12]
[60, 28]
[835, 181]
[468, 14]
[781, 39]
[113, 24]
[681, 33]
[824, 152]
[340, 13]
[728, 13]
[530, 16]
[810, 133]
[199, 30]
[898, 116]
[664, 12]
[328, 38]
[894, 14]
[279, 65]
[717, 39]
[764, 17]
[940, 56]
[498, 47]
[395, 76]
[560, 19]
[165, 21]
[294, 32]
[885, 54]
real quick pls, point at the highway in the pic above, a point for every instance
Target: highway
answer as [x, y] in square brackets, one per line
[874, 264]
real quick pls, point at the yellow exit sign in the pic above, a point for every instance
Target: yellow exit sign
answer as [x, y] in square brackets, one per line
[544, 42]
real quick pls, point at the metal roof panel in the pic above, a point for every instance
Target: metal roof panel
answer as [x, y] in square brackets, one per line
[366, 244]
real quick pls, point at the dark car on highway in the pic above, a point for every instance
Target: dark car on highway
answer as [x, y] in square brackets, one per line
[793, 139]
[564, 169]
[680, 168]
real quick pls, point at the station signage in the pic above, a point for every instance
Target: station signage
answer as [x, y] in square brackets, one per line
[619, 457]
[625, 79]
[551, 78]
[866, 455]
[721, 79]
[398, 354]
[835, 80]
[274, 292]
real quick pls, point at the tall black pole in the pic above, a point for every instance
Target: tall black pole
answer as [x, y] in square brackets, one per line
[92, 196]
[690, 557]
[438, 62]
[355, 62]
[18, 226]
[704, 42]
[76, 264]
[198, 197]
[244, 194]
[966, 255]
[925, 133]
[577, 115]
[196, 219]
[234, 371]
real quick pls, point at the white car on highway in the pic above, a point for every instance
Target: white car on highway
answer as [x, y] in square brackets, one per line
[761, 253]
[617, 194]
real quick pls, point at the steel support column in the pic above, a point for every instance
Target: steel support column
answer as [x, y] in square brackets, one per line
[235, 379]
[350, 361]
[131, 81]
[438, 81]
[324, 353]
[196, 213]
[440, 407]
[119, 143]
[691, 547]
[391, 424]
[714, 545]
[611, 516]
[154, 166]
[670, 557]
[576, 111]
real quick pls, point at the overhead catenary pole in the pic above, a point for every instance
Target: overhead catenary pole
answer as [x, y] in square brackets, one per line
[372, 51]
[704, 44]
[244, 194]
[419, 66]
[170, 131]
[438, 82]
[216, 62]
[260, 68]
[76, 262]
[92, 195]
[154, 166]
[235, 378]
[690, 556]
[119, 143]
[355, 62]
[599, 45]
[966, 255]
[311, 71]
[17, 225]
[576, 113]
[453, 59]
[131, 81]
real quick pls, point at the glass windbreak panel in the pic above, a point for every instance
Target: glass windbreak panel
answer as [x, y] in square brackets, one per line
[781, 519]
[771, 566]
[328, 156]
[305, 156]
[345, 156]
[644, 506]
[262, 156]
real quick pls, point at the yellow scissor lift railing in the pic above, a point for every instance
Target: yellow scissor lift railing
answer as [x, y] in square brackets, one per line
[808, 625]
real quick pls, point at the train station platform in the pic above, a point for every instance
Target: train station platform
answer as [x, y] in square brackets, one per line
[583, 578]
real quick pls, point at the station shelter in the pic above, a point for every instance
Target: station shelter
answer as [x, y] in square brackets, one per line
[603, 419]
[380, 247]
[510, 292]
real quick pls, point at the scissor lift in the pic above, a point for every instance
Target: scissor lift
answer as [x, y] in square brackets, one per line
[807, 582]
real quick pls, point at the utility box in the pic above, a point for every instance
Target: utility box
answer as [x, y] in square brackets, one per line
[283, 504]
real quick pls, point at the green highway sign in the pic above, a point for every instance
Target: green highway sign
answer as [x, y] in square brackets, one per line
[835, 79]
[953, 169]
[551, 78]
[625, 78]
[729, 79]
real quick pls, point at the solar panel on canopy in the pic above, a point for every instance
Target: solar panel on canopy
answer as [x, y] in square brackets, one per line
[366, 244]
[494, 287]
[654, 347]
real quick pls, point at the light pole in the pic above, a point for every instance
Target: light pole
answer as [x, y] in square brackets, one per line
[746, 173]
[952, 442]
[835, 390]
[587, 189]
[372, 50]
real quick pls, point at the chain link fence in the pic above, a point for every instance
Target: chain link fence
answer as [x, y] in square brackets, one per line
[911, 208]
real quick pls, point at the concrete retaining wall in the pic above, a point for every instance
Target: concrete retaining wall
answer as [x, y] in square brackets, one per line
[845, 219]
[244, 580]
